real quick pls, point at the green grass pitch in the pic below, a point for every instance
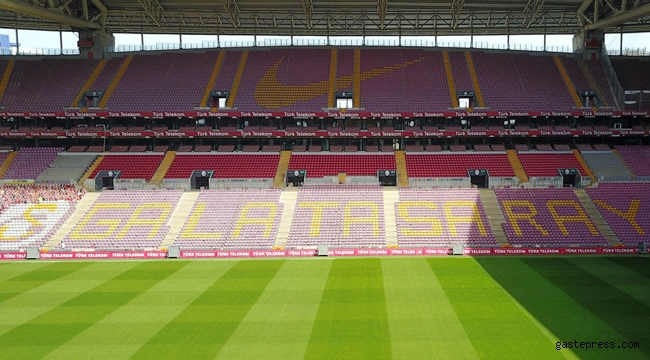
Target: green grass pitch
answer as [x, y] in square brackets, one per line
[357, 308]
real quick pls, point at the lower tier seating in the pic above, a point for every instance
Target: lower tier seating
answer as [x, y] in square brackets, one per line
[125, 220]
[546, 217]
[233, 166]
[441, 217]
[347, 216]
[547, 164]
[331, 165]
[626, 208]
[132, 166]
[30, 162]
[49, 206]
[456, 165]
[233, 219]
[637, 158]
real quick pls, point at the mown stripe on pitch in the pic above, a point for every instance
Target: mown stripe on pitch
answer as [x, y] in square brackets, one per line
[26, 281]
[124, 331]
[621, 277]
[41, 335]
[422, 322]
[201, 330]
[352, 322]
[640, 265]
[497, 327]
[621, 312]
[278, 326]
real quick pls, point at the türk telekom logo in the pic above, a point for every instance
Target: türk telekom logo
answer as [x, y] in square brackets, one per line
[25, 224]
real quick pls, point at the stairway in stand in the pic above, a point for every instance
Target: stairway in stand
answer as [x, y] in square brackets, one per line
[596, 217]
[83, 206]
[400, 163]
[159, 175]
[288, 198]
[391, 197]
[517, 167]
[495, 215]
[283, 166]
[179, 216]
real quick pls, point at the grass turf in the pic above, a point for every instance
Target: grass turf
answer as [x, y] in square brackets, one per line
[371, 308]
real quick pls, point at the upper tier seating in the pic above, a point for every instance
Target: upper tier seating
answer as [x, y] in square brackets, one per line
[606, 165]
[132, 166]
[297, 79]
[30, 162]
[626, 208]
[456, 165]
[346, 216]
[462, 78]
[233, 219]
[632, 72]
[46, 85]
[637, 158]
[546, 217]
[452, 216]
[66, 167]
[227, 71]
[285, 79]
[233, 166]
[598, 72]
[51, 205]
[152, 82]
[403, 80]
[138, 220]
[508, 79]
[331, 165]
[575, 73]
[547, 164]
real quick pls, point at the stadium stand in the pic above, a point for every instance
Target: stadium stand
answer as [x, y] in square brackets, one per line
[338, 216]
[66, 168]
[47, 205]
[242, 218]
[551, 216]
[409, 76]
[30, 162]
[637, 158]
[46, 85]
[456, 165]
[544, 164]
[606, 165]
[498, 71]
[321, 165]
[626, 208]
[285, 79]
[131, 166]
[234, 166]
[441, 217]
[598, 72]
[151, 82]
[125, 220]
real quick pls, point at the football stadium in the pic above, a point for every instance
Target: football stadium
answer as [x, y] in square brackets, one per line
[345, 184]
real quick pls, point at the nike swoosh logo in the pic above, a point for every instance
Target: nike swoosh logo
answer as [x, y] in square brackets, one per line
[270, 93]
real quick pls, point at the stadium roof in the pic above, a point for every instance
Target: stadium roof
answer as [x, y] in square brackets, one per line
[330, 17]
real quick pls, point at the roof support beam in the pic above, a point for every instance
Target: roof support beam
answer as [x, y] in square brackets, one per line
[308, 7]
[84, 8]
[382, 6]
[456, 10]
[531, 10]
[42, 13]
[232, 9]
[620, 18]
[614, 8]
[103, 11]
[153, 9]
